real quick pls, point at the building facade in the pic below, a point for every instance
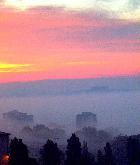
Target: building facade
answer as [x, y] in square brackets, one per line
[14, 121]
[86, 119]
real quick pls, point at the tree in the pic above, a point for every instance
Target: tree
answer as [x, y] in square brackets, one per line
[133, 151]
[50, 154]
[73, 153]
[32, 161]
[100, 158]
[108, 155]
[86, 157]
[18, 153]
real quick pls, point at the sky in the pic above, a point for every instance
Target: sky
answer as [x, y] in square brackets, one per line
[61, 39]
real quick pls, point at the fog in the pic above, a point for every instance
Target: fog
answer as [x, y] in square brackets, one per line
[120, 110]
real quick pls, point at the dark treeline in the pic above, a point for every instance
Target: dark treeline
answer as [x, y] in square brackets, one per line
[75, 154]
[19, 154]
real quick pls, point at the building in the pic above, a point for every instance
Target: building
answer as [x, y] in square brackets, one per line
[18, 116]
[4, 147]
[15, 121]
[86, 119]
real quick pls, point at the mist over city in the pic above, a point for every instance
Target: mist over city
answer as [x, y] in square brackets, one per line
[97, 110]
[115, 101]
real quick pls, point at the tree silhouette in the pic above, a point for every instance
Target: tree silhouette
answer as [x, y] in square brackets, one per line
[18, 153]
[50, 154]
[86, 157]
[108, 155]
[73, 153]
[133, 150]
[100, 158]
[32, 161]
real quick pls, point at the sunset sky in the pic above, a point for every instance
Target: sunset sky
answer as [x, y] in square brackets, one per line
[60, 39]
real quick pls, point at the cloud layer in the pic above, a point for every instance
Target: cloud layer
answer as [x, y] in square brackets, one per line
[62, 43]
[123, 9]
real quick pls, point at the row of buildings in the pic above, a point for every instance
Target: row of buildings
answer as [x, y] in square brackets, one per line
[15, 118]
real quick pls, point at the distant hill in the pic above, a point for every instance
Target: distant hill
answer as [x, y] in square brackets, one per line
[69, 86]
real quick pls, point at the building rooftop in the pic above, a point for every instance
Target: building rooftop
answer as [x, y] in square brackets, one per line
[4, 133]
[16, 115]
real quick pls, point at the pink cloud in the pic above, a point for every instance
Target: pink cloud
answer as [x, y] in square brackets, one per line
[53, 38]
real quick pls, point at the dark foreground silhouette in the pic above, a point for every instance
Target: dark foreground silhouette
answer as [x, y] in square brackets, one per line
[75, 154]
